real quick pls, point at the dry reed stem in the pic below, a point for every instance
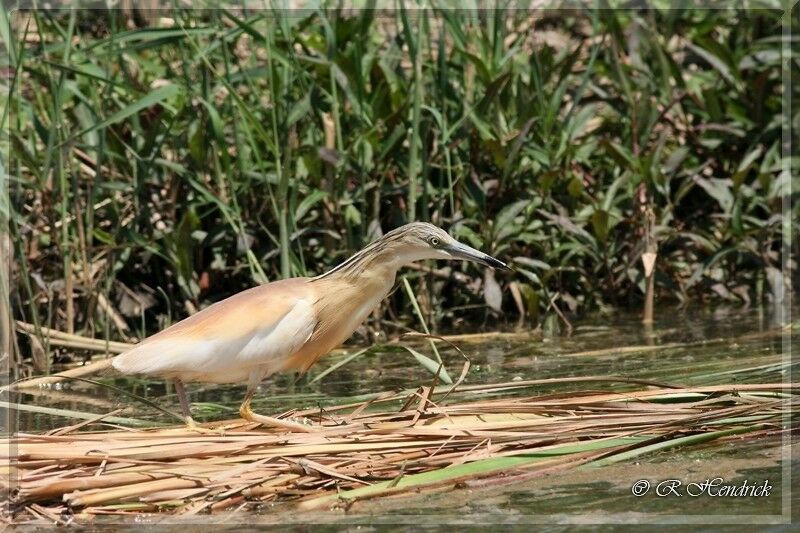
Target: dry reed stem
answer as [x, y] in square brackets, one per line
[78, 341]
[77, 372]
[377, 452]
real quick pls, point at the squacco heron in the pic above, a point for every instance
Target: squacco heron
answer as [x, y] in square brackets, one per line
[288, 324]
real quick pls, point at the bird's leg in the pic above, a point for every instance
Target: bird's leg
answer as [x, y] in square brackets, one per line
[187, 416]
[181, 391]
[250, 416]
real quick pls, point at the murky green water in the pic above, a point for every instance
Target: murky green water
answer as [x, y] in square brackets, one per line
[683, 348]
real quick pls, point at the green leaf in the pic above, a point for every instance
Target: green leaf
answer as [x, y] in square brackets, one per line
[216, 123]
[338, 365]
[600, 224]
[308, 202]
[474, 468]
[673, 443]
[299, 110]
[480, 66]
[531, 299]
[145, 38]
[719, 190]
[745, 165]
[505, 218]
[575, 187]
[492, 90]
[352, 215]
[717, 63]
[152, 98]
[431, 365]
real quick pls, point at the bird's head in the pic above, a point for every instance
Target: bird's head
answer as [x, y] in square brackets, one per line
[420, 240]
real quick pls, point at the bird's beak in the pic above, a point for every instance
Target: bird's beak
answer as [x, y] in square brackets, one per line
[462, 251]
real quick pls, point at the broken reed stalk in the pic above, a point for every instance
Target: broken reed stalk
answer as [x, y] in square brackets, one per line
[370, 449]
[77, 372]
[60, 338]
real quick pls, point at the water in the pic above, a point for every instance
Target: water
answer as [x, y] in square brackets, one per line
[684, 348]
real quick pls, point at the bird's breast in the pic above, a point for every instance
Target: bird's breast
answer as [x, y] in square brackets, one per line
[341, 307]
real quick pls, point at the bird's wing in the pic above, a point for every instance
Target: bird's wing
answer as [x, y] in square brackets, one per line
[261, 326]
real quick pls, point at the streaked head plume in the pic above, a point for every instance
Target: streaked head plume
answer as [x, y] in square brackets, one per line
[412, 242]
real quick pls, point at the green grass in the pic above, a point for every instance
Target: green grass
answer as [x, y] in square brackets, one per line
[166, 166]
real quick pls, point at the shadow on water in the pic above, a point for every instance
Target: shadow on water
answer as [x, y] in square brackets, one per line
[682, 348]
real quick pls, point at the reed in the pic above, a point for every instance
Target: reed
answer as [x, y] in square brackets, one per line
[159, 164]
[395, 443]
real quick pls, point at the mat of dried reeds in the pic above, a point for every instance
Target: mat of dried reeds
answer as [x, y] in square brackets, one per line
[394, 443]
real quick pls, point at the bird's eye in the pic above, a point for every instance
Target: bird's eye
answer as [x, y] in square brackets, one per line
[434, 241]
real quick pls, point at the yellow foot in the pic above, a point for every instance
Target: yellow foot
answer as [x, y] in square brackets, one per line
[192, 426]
[297, 427]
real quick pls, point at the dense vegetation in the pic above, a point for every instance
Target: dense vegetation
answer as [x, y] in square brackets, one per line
[163, 161]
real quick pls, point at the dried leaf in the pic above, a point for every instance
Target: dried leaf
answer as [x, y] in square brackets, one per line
[649, 262]
[492, 292]
[38, 354]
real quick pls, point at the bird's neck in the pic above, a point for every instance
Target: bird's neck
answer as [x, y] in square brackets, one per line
[377, 260]
[355, 293]
[369, 272]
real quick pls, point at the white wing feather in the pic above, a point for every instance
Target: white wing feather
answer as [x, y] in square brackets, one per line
[223, 360]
